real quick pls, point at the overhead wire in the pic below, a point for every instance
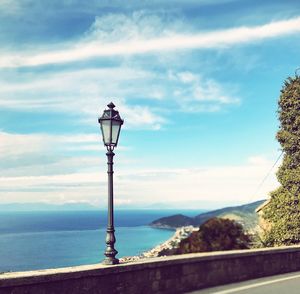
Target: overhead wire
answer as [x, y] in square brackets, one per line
[265, 178]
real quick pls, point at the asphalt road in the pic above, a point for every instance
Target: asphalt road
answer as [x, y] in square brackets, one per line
[281, 284]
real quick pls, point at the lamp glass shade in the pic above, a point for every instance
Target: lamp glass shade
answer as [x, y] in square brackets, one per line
[106, 133]
[110, 131]
[115, 131]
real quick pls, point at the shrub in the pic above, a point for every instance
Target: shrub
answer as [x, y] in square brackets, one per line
[214, 235]
[283, 211]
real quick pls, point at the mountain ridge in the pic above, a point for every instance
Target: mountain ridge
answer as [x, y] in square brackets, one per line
[244, 214]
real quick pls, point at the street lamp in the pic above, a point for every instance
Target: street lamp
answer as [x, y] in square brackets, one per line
[110, 123]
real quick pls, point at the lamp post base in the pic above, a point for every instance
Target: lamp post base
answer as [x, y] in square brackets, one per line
[110, 251]
[110, 261]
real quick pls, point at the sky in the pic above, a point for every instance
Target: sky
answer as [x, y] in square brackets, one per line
[196, 82]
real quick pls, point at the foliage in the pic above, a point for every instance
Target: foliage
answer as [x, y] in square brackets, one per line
[214, 235]
[283, 211]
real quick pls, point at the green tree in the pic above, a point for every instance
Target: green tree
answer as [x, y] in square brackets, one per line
[214, 235]
[282, 213]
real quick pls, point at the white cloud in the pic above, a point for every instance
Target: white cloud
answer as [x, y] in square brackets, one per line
[139, 41]
[83, 92]
[82, 79]
[12, 145]
[226, 184]
[196, 94]
[112, 27]
[120, 202]
[258, 160]
[141, 117]
[44, 154]
[222, 184]
[20, 145]
[10, 6]
[49, 155]
[185, 77]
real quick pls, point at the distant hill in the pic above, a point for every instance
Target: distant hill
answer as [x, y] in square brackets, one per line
[243, 214]
[173, 221]
[39, 206]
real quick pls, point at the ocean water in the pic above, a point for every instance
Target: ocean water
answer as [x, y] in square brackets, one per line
[40, 240]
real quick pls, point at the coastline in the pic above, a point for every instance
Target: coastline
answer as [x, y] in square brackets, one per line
[170, 244]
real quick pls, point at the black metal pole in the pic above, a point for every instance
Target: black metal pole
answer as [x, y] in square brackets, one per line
[110, 251]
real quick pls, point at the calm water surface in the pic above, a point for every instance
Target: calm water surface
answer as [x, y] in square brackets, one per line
[39, 240]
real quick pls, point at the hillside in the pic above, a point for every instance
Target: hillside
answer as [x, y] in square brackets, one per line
[173, 221]
[244, 214]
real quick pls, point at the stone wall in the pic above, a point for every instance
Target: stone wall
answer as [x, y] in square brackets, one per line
[173, 274]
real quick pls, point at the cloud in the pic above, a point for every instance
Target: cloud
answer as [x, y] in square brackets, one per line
[49, 155]
[196, 94]
[12, 145]
[10, 6]
[258, 160]
[226, 184]
[82, 92]
[132, 40]
[18, 145]
[44, 154]
[120, 202]
[112, 27]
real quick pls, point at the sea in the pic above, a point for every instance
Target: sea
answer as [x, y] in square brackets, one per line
[54, 239]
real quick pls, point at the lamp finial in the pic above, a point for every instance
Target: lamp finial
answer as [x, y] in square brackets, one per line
[111, 105]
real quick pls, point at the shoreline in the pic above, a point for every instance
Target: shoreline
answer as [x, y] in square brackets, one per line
[170, 244]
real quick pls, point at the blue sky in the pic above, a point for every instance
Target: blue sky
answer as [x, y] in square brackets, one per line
[197, 83]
